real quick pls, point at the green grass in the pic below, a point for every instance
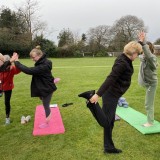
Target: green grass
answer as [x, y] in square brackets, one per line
[83, 138]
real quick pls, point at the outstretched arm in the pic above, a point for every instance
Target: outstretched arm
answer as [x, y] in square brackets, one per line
[5, 65]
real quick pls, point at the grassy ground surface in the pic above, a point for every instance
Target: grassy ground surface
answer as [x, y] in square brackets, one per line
[83, 139]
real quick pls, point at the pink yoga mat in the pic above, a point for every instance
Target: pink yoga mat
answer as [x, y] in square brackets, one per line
[55, 125]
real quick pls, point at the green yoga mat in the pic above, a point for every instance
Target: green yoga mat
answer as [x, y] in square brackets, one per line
[136, 119]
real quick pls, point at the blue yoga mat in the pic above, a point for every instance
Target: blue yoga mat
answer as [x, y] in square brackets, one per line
[136, 119]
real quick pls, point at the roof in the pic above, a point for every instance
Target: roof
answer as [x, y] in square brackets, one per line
[156, 46]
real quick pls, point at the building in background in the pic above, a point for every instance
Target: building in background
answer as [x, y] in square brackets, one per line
[157, 49]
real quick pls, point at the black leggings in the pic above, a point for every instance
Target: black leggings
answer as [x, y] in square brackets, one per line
[46, 103]
[105, 116]
[7, 98]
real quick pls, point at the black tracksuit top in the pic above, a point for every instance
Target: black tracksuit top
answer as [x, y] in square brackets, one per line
[5, 65]
[119, 79]
[42, 80]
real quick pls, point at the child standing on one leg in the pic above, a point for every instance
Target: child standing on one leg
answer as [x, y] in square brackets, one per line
[42, 84]
[148, 76]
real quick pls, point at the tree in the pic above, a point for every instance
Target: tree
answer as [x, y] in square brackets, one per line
[10, 21]
[12, 36]
[157, 42]
[47, 46]
[6, 18]
[82, 43]
[65, 38]
[84, 38]
[98, 37]
[124, 30]
[29, 12]
[19, 28]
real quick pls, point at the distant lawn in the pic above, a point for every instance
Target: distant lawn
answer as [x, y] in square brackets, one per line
[83, 139]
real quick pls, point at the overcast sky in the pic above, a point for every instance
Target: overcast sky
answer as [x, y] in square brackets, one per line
[80, 15]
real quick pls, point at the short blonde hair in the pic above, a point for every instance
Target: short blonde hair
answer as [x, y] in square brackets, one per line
[132, 47]
[36, 50]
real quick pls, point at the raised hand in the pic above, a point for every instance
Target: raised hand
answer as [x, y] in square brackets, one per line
[142, 36]
[14, 57]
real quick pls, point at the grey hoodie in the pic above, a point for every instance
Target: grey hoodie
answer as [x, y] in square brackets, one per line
[148, 68]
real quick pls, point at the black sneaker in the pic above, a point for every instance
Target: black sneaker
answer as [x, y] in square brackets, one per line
[87, 94]
[114, 150]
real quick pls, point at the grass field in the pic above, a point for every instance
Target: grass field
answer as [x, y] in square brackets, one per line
[83, 139]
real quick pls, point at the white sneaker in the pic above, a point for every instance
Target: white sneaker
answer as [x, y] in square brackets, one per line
[28, 118]
[7, 121]
[23, 120]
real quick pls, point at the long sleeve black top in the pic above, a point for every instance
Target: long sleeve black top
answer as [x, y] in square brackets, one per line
[5, 65]
[119, 79]
[42, 80]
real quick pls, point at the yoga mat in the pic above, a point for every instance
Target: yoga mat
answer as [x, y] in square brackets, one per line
[137, 119]
[55, 125]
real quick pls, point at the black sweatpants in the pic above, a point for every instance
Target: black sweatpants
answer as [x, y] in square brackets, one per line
[7, 98]
[105, 116]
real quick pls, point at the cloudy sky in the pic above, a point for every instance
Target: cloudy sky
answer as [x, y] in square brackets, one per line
[80, 15]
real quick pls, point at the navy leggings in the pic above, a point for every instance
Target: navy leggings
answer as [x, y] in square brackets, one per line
[46, 104]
